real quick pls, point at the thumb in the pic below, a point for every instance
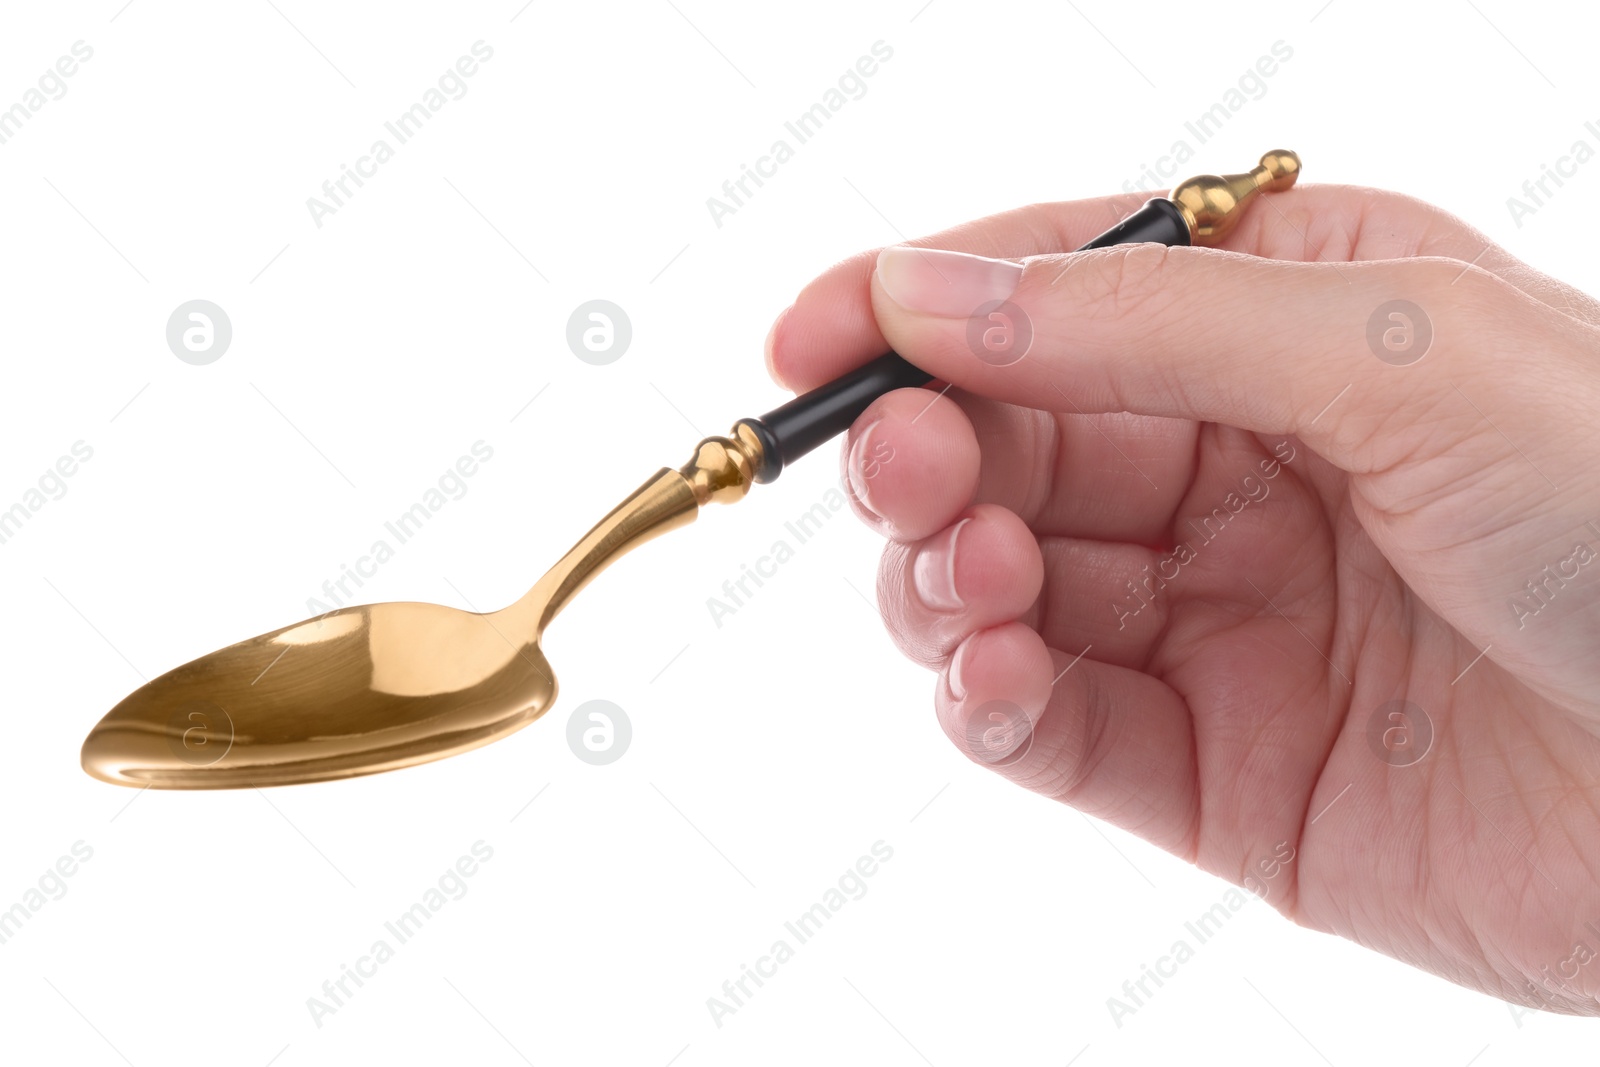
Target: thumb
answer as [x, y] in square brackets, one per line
[1335, 353]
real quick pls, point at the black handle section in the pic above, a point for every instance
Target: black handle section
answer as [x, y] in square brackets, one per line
[786, 433]
[1159, 221]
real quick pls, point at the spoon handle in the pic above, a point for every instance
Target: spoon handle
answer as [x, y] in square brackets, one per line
[790, 431]
[1201, 210]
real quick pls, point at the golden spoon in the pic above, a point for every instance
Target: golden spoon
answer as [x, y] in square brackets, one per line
[384, 686]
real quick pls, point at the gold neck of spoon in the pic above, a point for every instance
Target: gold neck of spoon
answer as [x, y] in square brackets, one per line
[721, 471]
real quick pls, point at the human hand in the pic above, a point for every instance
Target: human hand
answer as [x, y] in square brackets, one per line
[1236, 560]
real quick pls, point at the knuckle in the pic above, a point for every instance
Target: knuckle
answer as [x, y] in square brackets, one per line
[894, 598]
[1444, 277]
[1462, 294]
[1391, 204]
[1391, 223]
[922, 640]
[1125, 286]
[1065, 764]
[1131, 279]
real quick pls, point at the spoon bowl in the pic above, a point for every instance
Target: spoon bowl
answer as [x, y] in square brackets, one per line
[363, 690]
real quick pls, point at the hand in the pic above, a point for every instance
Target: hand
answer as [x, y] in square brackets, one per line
[1222, 561]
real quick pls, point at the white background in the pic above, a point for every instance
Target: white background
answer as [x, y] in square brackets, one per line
[768, 754]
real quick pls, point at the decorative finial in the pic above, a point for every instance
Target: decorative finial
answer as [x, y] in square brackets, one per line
[1211, 204]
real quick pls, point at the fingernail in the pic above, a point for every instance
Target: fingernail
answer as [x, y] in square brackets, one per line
[953, 679]
[933, 574]
[950, 284]
[855, 466]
